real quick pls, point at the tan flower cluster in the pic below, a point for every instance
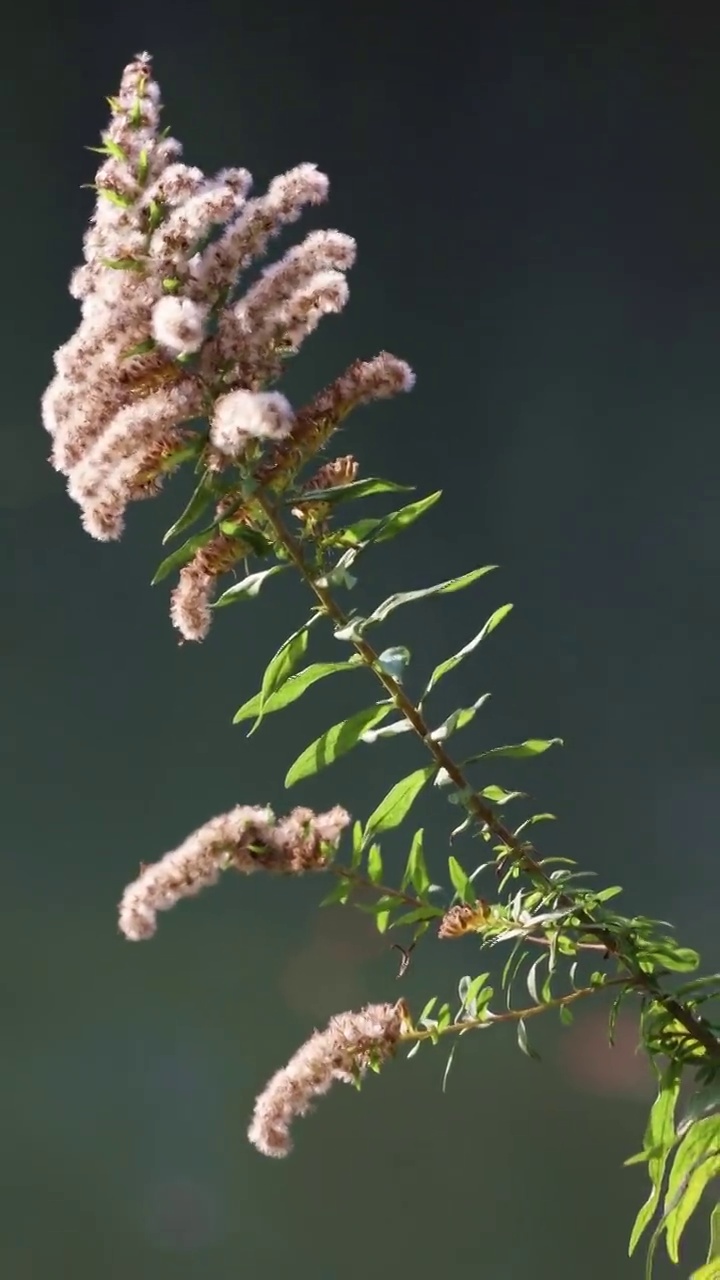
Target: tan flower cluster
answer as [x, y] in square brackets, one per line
[343, 1051]
[246, 839]
[462, 919]
[167, 336]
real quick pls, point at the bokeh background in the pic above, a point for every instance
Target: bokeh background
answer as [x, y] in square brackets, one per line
[535, 191]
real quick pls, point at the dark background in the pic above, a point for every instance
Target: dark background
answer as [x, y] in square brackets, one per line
[535, 192]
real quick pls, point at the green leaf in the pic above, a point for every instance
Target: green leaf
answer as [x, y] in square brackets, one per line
[357, 845]
[110, 148]
[417, 914]
[182, 555]
[396, 805]
[296, 684]
[387, 731]
[427, 1010]
[120, 201]
[497, 796]
[357, 489]
[282, 665]
[123, 264]
[416, 872]
[493, 621]
[374, 864]
[143, 167]
[532, 979]
[335, 742]
[523, 1042]
[457, 720]
[705, 1101]
[714, 1247]
[198, 502]
[658, 1142]
[340, 892]
[520, 751]
[393, 661]
[448, 1066]
[536, 817]
[397, 521]
[474, 988]
[696, 1164]
[439, 589]
[249, 588]
[461, 881]
[664, 953]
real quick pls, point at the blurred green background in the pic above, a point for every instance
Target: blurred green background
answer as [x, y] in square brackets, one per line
[535, 191]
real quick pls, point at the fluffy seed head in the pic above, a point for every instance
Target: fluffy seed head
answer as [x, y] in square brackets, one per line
[243, 415]
[343, 1051]
[179, 324]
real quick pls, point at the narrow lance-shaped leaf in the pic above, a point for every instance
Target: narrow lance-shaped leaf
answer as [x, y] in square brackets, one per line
[335, 742]
[356, 489]
[282, 665]
[457, 720]
[696, 1164]
[498, 796]
[523, 1042]
[520, 751]
[443, 667]
[418, 915]
[249, 587]
[657, 1144]
[198, 502]
[374, 864]
[398, 521]
[182, 554]
[396, 805]
[439, 589]
[461, 882]
[366, 533]
[416, 872]
[293, 688]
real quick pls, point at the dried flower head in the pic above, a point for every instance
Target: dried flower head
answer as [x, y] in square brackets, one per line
[343, 1051]
[167, 337]
[179, 324]
[462, 919]
[246, 839]
[244, 415]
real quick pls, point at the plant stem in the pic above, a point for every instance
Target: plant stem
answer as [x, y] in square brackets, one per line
[523, 853]
[513, 1015]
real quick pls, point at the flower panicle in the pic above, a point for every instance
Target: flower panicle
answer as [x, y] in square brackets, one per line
[247, 839]
[350, 1044]
[167, 336]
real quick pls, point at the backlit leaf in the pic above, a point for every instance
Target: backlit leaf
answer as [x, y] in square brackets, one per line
[335, 742]
[439, 589]
[356, 489]
[198, 502]
[416, 872]
[182, 554]
[294, 687]
[461, 882]
[658, 1142]
[249, 587]
[442, 669]
[396, 805]
[281, 666]
[520, 750]
[696, 1164]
